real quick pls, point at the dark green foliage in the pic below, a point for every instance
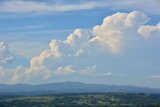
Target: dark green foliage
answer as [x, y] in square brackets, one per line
[83, 100]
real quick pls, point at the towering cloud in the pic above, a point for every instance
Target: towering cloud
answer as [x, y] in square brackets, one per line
[116, 28]
[72, 46]
[54, 51]
[109, 37]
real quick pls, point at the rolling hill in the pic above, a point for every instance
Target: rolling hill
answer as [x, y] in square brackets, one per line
[70, 87]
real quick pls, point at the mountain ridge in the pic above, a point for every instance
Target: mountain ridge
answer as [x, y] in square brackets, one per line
[71, 87]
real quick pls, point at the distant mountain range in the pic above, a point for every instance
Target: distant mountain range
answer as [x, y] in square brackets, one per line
[70, 87]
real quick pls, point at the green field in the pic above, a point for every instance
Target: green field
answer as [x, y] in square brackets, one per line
[83, 100]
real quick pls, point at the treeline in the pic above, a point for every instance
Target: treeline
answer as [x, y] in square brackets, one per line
[83, 100]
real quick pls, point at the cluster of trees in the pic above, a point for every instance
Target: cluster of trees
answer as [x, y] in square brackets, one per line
[80, 100]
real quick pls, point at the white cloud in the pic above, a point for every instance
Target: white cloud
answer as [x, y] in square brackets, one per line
[116, 28]
[4, 53]
[21, 6]
[46, 74]
[57, 49]
[88, 71]
[36, 63]
[18, 75]
[12, 75]
[64, 70]
[56, 60]
[147, 31]
[91, 71]
[78, 37]
[110, 36]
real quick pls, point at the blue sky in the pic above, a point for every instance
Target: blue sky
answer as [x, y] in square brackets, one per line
[107, 42]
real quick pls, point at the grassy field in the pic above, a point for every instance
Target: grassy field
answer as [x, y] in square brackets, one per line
[83, 100]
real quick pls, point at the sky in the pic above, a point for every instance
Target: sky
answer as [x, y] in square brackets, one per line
[90, 41]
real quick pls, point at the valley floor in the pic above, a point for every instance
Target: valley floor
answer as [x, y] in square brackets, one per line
[83, 100]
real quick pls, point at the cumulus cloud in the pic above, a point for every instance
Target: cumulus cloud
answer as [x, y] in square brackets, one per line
[9, 75]
[58, 49]
[78, 37]
[36, 62]
[109, 37]
[91, 71]
[148, 30]
[110, 34]
[4, 53]
[64, 70]
[12, 75]
[18, 75]
[116, 28]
